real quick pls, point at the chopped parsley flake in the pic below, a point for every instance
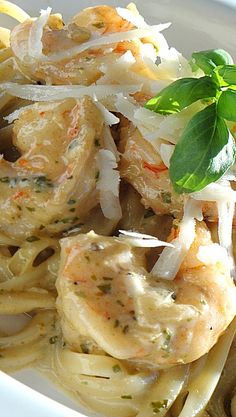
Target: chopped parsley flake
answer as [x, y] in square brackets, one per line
[117, 323]
[105, 288]
[93, 277]
[97, 142]
[148, 213]
[99, 25]
[157, 406]
[73, 144]
[166, 197]
[32, 239]
[84, 347]
[53, 340]
[71, 201]
[116, 368]
[126, 397]
[126, 329]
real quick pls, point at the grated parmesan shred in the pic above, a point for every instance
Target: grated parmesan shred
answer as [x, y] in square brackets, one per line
[112, 38]
[108, 184]
[35, 46]
[60, 92]
[170, 259]
[142, 240]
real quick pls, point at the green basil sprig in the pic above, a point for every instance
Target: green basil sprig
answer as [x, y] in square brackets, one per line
[207, 61]
[206, 149]
[181, 93]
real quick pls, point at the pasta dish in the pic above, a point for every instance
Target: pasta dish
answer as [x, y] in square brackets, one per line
[117, 197]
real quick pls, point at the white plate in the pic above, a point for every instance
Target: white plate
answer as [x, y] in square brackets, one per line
[196, 25]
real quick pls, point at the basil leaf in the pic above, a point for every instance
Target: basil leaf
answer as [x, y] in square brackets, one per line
[204, 152]
[210, 59]
[227, 105]
[181, 94]
[228, 74]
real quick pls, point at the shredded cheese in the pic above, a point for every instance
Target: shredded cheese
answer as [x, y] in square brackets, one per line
[35, 46]
[109, 142]
[109, 118]
[170, 259]
[136, 19]
[60, 92]
[112, 38]
[142, 240]
[108, 184]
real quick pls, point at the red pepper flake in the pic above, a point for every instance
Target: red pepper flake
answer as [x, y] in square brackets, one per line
[73, 132]
[20, 194]
[156, 169]
[22, 162]
[42, 113]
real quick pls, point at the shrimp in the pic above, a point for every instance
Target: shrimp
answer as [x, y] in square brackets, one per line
[53, 182]
[107, 298]
[142, 167]
[82, 68]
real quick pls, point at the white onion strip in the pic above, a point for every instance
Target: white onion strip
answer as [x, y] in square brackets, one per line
[60, 92]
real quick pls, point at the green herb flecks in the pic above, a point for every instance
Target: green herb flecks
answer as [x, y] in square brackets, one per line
[97, 142]
[166, 197]
[32, 239]
[99, 25]
[116, 368]
[84, 348]
[42, 183]
[53, 340]
[71, 201]
[126, 397]
[206, 148]
[105, 288]
[157, 406]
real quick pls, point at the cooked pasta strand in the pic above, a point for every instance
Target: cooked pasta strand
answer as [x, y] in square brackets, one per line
[20, 302]
[13, 10]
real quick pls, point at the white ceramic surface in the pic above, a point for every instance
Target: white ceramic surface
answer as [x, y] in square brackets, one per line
[197, 24]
